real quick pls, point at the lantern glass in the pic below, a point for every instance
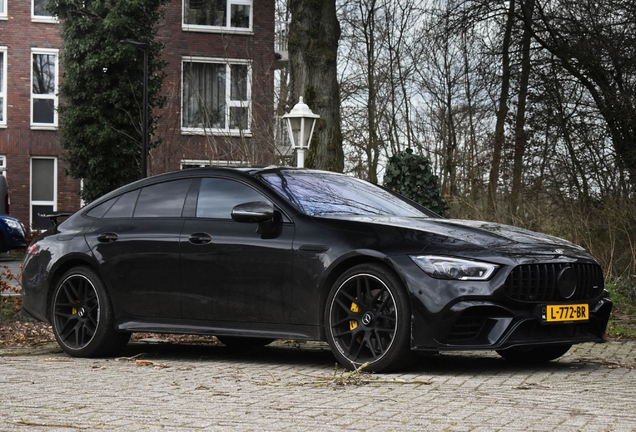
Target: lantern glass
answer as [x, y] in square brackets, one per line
[307, 130]
[295, 126]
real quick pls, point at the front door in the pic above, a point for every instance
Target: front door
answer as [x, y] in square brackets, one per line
[230, 272]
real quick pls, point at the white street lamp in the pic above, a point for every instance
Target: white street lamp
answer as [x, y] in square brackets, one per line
[300, 125]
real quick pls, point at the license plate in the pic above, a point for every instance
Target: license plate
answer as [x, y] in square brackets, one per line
[573, 312]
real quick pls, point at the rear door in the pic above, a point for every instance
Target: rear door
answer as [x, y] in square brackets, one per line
[136, 239]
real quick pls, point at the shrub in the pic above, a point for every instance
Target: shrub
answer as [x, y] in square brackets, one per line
[411, 175]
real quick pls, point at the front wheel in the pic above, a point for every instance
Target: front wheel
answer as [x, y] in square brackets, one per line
[367, 319]
[82, 316]
[534, 354]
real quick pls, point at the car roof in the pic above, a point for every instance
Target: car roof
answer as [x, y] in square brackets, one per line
[238, 171]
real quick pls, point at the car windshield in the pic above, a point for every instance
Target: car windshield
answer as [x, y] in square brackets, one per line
[330, 194]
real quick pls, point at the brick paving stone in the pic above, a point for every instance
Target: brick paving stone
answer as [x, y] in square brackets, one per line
[292, 387]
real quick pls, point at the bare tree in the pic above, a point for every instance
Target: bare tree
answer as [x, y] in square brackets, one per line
[594, 41]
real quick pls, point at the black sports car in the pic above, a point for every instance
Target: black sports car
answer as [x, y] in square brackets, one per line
[256, 254]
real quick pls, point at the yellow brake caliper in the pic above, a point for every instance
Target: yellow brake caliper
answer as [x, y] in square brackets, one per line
[353, 324]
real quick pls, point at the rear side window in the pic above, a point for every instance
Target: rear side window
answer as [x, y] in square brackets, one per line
[217, 197]
[163, 199]
[124, 206]
[159, 200]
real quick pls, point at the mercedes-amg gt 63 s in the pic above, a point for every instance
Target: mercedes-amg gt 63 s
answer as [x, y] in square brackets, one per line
[250, 255]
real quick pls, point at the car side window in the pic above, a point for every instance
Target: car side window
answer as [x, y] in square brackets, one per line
[159, 200]
[162, 199]
[124, 206]
[100, 210]
[218, 196]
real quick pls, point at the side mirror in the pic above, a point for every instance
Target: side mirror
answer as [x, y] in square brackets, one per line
[253, 212]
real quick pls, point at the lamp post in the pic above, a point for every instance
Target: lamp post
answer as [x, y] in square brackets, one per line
[300, 125]
[144, 117]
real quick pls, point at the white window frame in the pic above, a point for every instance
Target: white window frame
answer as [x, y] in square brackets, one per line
[229, 103]
[3, 86]
[3, 10]
[221, 29]
[41, 18]
[54, 97]
[3, 163]
[42, 203]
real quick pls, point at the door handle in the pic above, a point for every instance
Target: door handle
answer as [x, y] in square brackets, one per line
[200, 238]
[107, 237]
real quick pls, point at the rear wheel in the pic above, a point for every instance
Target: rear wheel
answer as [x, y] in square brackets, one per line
[82, 316]
[534, 354]
[367, 319]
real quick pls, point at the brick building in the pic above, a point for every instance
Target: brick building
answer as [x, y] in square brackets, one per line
[219, 93]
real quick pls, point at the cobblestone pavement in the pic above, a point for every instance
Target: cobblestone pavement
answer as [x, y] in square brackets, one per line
[295, 387]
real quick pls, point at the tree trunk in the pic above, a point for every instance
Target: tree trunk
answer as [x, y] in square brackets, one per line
[313, 48]
[520, 121]
[502, 111]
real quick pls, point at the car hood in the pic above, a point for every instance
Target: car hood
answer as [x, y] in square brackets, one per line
[483, 234]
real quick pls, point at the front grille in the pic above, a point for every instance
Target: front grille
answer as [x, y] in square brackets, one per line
[538, 282]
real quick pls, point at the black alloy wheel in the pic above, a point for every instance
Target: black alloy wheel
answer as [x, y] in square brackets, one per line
[82, 316]
[367, 319]
[534, 354]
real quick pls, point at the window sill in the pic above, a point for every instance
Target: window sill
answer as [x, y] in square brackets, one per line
[211, 29]
[44, 127]
[44, 19]
[217, 133]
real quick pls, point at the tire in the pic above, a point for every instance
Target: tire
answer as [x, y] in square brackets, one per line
[367, 319]
[534, 354]
[244, 343]
[82, 316]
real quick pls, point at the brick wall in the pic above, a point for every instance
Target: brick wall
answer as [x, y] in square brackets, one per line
[259, 47]
[18, 142]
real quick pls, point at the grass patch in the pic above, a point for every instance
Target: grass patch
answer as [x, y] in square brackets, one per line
[620, 331]
[622, 322]
[9, 308]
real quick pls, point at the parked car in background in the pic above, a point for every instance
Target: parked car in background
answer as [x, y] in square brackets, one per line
[5, 203]
[12, 232]
[256, 254]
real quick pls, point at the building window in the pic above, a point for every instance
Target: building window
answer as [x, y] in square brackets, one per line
[216, 97]
[217, 15]
[3, 86]
[39, 12]
[43, 189]
[3, 9]
[3, 165]
[44, 74]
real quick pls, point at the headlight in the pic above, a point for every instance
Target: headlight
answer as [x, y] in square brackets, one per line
[441, 267]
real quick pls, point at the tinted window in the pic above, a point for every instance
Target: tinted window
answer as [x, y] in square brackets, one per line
[124, 206]
[324, 194]
[217, 197]
[100, 210]
[163, 199]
